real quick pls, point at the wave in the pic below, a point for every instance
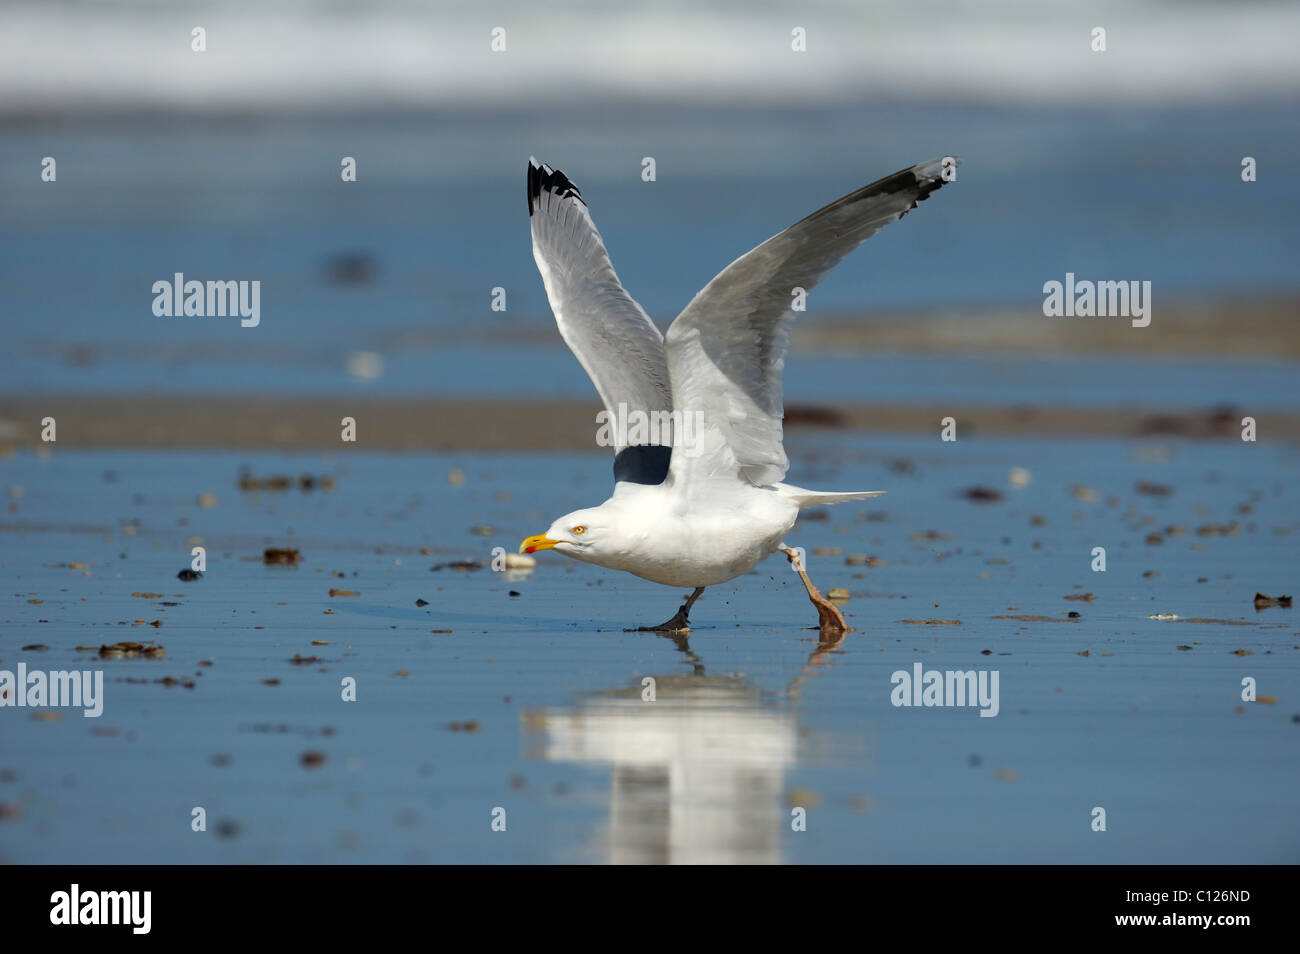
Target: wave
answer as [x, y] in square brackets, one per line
[136, 54]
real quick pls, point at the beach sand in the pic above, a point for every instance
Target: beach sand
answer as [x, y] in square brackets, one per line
[236, 422]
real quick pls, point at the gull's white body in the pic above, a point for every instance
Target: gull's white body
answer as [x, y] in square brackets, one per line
[666, 538]
[715, 508]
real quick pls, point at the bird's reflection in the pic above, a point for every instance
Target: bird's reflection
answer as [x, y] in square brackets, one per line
[698, 762]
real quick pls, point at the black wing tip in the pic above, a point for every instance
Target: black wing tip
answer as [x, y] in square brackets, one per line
[933, 183]
[921, 179]
[913, 178]
[543, 177]
[919, 182]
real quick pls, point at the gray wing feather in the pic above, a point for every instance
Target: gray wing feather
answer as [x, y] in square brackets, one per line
[726, 350]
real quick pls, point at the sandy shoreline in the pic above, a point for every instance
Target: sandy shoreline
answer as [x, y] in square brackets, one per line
[1243, 327]
[1259, 326]
[424, 424]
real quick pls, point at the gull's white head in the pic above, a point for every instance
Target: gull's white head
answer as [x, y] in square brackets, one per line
[587, 535]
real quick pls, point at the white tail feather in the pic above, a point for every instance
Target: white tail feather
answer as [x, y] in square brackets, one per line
[819, 498]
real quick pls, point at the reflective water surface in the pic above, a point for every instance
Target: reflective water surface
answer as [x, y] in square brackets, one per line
[518, 700]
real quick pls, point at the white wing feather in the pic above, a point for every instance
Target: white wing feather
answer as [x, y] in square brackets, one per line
[610, 334]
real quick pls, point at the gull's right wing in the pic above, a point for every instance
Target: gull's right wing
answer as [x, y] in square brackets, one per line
[610, 334]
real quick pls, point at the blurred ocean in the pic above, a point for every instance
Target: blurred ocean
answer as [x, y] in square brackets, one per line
[225, 165]
[323, 54]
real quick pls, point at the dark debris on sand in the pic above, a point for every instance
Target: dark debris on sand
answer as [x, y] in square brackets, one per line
[981, 494]
[1263, 602]
[280, 482]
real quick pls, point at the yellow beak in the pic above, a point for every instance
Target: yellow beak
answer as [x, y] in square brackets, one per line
[539, 542]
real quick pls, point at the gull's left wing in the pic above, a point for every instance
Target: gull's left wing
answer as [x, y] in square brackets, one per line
[725, 352]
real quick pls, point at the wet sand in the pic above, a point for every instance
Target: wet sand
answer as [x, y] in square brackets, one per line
[480, 691]
[1242, 327]
[421, 424]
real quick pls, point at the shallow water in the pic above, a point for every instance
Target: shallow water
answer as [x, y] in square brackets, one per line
[752, 717]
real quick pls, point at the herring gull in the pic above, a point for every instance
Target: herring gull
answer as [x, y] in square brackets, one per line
[699, 497]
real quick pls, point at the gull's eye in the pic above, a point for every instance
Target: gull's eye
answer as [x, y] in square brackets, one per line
[579, 531]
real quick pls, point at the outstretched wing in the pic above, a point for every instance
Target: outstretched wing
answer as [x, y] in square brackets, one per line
[726, 350]
[611, 335]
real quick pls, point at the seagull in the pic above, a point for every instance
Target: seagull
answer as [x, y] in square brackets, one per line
[694, 416]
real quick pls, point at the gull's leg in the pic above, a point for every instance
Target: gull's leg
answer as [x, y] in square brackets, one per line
[679, 623]
[829, 618]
